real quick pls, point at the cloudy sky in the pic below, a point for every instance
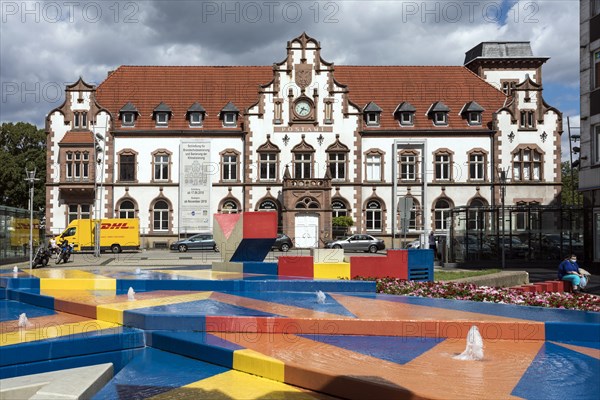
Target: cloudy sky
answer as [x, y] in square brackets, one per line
[47, 44]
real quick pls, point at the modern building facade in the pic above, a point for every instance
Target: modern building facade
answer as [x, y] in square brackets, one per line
[589, 167]
[307, 139]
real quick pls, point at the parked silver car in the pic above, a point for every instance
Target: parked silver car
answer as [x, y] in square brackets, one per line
[365, 243]
[201, 241]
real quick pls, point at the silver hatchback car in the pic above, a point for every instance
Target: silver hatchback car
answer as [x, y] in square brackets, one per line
[366, 243]
[201, 241]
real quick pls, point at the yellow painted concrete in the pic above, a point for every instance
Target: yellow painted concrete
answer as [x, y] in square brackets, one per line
[52, 331]
[235, 385]
[256, 363]
[332, 270]
[61, 279]
[113, 312]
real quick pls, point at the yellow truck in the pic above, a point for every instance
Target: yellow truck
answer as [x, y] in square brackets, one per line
[116, 234]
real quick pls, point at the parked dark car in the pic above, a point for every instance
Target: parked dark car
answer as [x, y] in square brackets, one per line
[283, 242]
[201, 241]
[365, 243]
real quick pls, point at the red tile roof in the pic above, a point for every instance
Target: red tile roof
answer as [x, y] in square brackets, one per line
[213, 87]
[421, 86]
[77, 137]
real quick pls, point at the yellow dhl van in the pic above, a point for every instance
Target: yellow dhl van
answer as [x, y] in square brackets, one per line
[116, 235]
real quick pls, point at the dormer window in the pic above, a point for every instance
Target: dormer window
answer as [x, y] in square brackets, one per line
[405, 114]
[128, 114]
[162, 113]
[438, 112]
[440, 118]
[373, 119]
[162, 118]
[195, 119]
[372, 113]
[406, 118]
[472, 113]
[128, 119]
[229, 119]
[474, 118]
[229, 115]
[195, 115]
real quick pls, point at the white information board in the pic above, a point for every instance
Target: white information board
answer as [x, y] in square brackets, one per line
[195, 173]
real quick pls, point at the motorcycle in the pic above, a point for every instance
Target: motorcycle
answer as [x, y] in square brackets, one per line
[42, 256]
[65, 253]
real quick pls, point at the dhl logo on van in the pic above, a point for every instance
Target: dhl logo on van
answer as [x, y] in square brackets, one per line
[115, 225]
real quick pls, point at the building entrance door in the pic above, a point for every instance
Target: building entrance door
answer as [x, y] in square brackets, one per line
[307, 231]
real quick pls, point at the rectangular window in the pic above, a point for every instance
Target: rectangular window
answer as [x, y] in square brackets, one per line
[162, 118]
[328, 112]
[84, 120]
[527, 120]
[596, 144]
[268, 163]
[69, 166]
[127, 167]
[476, 167]
[596, 66]
[161, 167]
[372, 118]
[76, 120]
[474, 118]
[442, 167]
[85, 211]
[229, 119]
[408, 167]
[406, 118]
[73, 212]
[441, 219]
[302, 166]
[195, 119]
[128, 119]
[440, 118]
[527, 165]
[337, 166]
[373, 167]
[229, 167]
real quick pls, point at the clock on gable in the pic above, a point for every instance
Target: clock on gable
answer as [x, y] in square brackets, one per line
[303, 109]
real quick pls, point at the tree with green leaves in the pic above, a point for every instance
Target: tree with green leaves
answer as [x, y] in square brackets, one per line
[570, 196]
[22, 146]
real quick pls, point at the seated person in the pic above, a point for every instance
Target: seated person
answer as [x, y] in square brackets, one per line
[568, 270]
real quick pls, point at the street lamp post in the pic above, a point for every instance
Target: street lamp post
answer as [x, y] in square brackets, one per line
[98, 197]
[502, 195]
[31, 180]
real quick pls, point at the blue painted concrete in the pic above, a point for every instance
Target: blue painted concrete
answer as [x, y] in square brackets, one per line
[300, 299]
[184, 316]
[118, 358]
[420, 265]
[199, 345]
[572, 331]
[10, 310]
[398, 350]
[267, 268]
[252, 250]
[559, 373]
[154, 372]
[92, 341]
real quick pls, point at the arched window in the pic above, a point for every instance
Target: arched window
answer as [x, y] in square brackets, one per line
[229, 207]
[339, 209]
[160, 216]
[307, 202]
[374, 216]
[476, 217]
[415, 216]
[268, 205]
[127, 209]
[441, 214]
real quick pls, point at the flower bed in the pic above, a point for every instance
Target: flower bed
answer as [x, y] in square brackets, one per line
[465, 291]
